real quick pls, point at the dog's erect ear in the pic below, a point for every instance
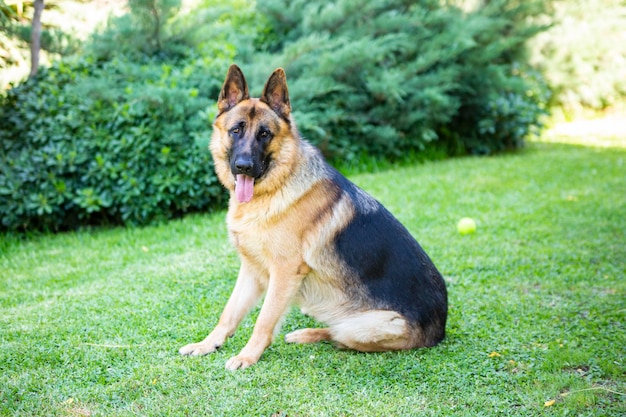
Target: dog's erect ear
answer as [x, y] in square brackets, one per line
[235, 89]
[275, 93]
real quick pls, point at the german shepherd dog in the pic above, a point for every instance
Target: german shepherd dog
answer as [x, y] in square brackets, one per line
[308, 236]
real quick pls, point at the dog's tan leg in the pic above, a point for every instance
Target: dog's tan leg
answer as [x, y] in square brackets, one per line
[374, 331]
[308, 336]
[282, 288]
[247, 292]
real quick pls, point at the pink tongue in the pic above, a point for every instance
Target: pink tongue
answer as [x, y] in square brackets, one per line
[244, 188]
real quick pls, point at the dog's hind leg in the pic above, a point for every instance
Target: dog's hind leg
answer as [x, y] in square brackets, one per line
[308, 336]
[375, 331]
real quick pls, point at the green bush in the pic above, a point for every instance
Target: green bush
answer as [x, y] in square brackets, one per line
[392, 77]
[120, 135]
[106, 144]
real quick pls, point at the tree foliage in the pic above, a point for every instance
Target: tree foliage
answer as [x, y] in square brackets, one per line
[145, 31]
[118, 134]
[387, 77]
[119, 138]
[16, 33]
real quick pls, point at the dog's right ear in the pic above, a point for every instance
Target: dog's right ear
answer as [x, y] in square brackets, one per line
[234, 90]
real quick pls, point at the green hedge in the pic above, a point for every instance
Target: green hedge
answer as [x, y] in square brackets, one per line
[119, 135]
[392, 77]
[112, 143]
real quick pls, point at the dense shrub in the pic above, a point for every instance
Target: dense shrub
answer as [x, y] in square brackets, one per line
[111, 143]
[120, 135]
[389, 77]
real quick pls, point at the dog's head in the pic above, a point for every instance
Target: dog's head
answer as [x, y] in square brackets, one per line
[252, 136]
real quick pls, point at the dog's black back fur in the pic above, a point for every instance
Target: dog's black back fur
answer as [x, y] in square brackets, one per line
[394, 269]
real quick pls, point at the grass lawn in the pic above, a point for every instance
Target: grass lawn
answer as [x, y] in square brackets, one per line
[91, 322]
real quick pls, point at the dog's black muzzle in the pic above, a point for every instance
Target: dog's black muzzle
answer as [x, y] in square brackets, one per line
[246, 164]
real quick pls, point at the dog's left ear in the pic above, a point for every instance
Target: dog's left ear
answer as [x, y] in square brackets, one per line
[276, 95]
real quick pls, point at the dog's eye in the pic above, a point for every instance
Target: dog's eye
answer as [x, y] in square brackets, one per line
[264, 134]
[237, 130]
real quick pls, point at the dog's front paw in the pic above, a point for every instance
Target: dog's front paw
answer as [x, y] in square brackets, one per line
[198, 349]
[240, 362]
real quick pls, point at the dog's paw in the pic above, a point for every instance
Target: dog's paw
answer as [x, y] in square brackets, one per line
[198, 349]
[240, 362]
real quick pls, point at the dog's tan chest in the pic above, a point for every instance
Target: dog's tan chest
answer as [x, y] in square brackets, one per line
[265, 243]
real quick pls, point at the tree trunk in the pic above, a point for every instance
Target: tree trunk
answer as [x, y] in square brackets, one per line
[35, 40]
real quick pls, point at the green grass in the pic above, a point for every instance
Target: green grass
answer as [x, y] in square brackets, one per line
[90, 322]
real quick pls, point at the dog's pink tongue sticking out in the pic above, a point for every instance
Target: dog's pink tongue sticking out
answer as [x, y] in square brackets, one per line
[244, 188]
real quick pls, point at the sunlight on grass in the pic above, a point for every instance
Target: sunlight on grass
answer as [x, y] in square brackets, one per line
[606, 132]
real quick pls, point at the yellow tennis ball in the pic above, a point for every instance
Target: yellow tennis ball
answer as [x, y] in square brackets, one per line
[466, 225]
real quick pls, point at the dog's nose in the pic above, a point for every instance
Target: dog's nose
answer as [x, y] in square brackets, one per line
[244, 165]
